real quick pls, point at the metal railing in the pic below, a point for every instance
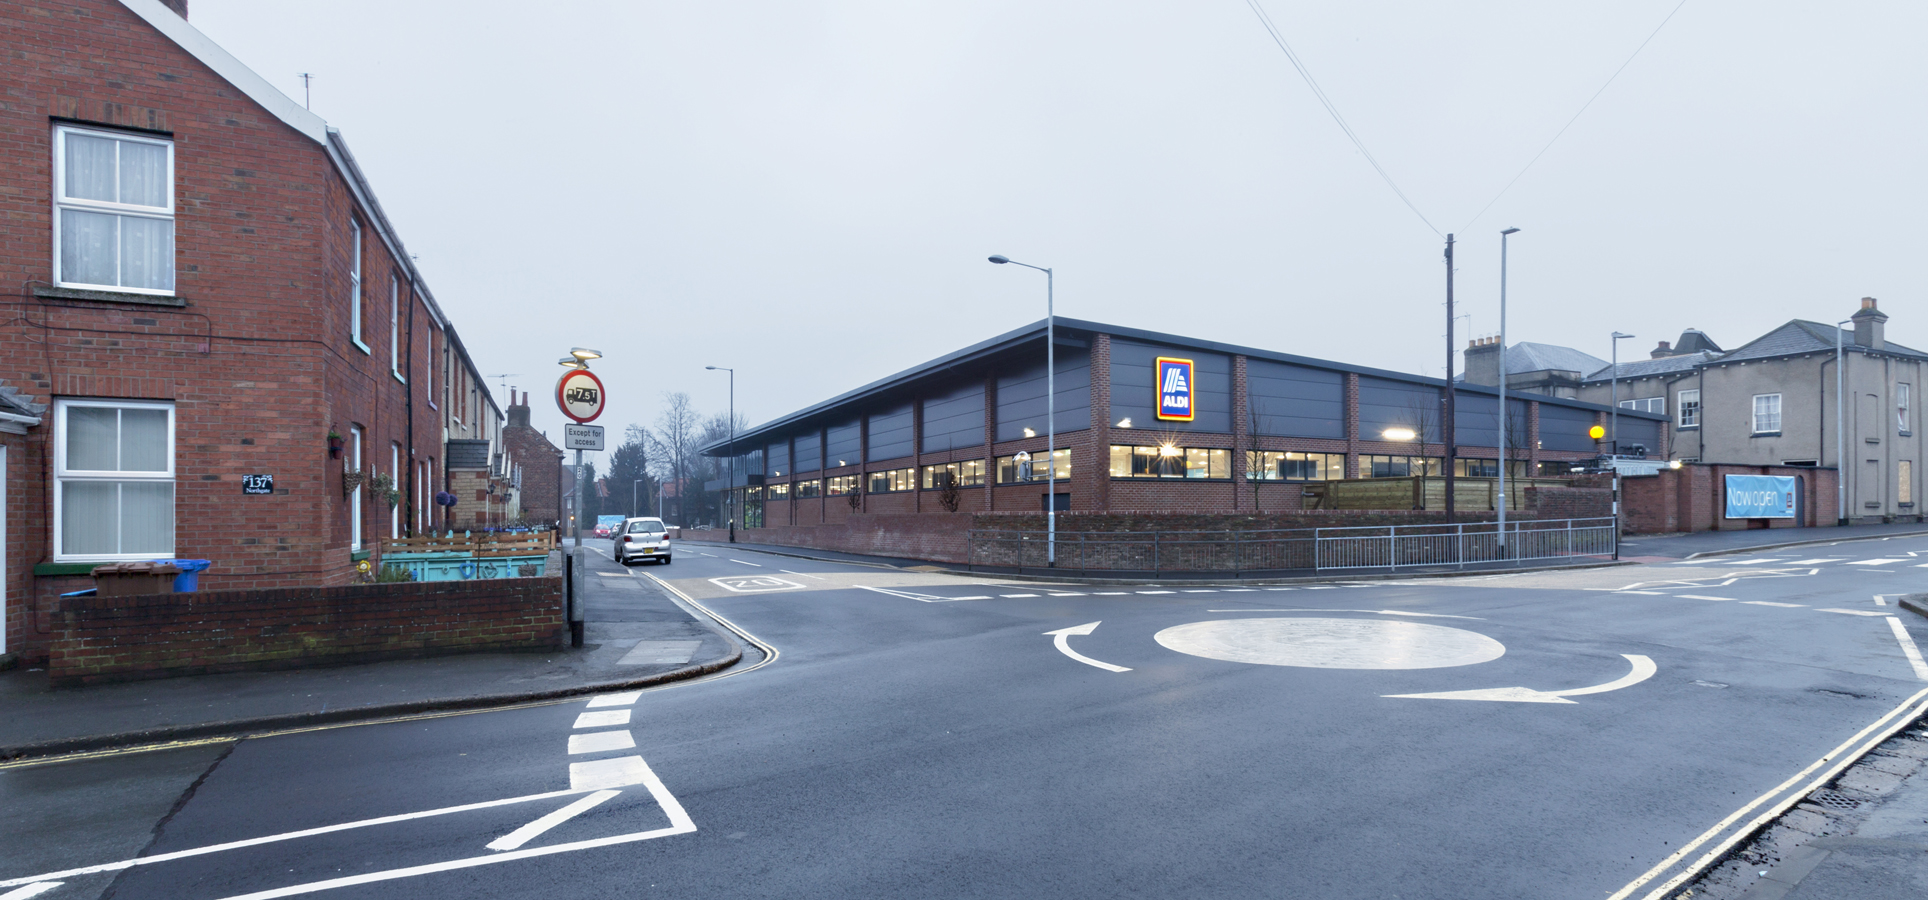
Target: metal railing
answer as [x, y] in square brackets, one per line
[1316, 549]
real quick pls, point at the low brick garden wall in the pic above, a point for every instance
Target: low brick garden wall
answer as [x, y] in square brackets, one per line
[101, 639]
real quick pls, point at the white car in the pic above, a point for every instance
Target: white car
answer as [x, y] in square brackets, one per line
[641, 539]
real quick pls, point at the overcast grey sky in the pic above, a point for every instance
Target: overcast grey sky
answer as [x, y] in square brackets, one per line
[807, 190]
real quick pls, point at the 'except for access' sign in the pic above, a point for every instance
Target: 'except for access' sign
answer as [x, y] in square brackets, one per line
[582, 437]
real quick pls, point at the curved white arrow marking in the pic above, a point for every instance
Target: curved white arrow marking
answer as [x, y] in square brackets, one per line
[1643, 669]
[1063, 640]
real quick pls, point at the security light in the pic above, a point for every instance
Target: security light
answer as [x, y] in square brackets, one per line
[1030, 432]
[1124, 422]
[1398, 434]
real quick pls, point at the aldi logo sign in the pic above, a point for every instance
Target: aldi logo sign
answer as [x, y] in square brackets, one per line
[1174, 389]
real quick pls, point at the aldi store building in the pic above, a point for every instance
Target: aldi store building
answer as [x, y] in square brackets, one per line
[1145, 422]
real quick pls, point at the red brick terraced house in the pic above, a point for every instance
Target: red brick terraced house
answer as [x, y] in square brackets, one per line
[210, 322]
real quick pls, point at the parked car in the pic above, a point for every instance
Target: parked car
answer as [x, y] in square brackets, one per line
[640, 539]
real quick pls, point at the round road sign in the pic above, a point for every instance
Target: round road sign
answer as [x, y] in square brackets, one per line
[579, 394]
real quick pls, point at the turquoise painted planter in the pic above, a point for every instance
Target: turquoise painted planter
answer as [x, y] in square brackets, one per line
[455, 565]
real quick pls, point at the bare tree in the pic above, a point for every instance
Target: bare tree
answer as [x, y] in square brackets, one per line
[676, 437]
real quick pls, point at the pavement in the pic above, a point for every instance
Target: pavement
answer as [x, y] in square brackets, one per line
[1708, 543]
[37, 719]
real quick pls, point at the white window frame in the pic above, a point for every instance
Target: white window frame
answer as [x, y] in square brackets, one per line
[62, 474]
[62, 202]
[428, 371]
[395, 329]
[1775, 402]
[1902, 397]
[355, 286]
[1646, 404]
[1682, 401]
[401, 481]
[352, 462]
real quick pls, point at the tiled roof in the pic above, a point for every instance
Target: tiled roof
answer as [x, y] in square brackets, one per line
[12, 401]
[1528, 357]
[1642, 368]
[1802, 336]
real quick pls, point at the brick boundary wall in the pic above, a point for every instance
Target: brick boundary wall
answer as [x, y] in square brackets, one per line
[1693, 498]
[945, 537]
[127, 638]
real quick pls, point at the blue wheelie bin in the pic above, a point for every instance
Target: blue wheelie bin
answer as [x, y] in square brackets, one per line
[190, 577]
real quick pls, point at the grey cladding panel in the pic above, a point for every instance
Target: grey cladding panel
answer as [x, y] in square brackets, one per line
[954, 420]
[1639, 431]
[843, 445]
[779, 457]
[1295, 401]
[1476, 421]
[890, 433]
[1565, 428]
[809, 452]
[1384, 404]
[1020, 396]
[1134, 388]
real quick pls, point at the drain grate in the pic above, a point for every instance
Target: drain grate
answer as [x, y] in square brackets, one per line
[1832, 799]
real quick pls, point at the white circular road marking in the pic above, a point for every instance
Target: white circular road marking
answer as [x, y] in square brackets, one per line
[1332, 643]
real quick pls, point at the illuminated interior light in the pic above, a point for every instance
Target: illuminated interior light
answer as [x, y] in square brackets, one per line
[1169, 450]
[1398, 434]
[1030, 433]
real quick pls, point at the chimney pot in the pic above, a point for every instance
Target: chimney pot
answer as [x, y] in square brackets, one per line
[1867, 303]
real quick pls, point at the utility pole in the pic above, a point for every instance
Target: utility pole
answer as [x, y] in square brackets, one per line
[1446, 430]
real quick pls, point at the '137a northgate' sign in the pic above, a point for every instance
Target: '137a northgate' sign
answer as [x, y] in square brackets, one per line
[1174, 389]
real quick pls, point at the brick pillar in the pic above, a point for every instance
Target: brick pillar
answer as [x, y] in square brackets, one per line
[1100, 481]
[1532, 438]
[990, 438]
[1352, 425]
[1241, 429]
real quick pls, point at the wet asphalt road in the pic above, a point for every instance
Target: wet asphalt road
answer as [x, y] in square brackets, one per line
[905, 742]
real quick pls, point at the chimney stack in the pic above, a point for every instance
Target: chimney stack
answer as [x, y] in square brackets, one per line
[1664, 350]
[1869, 326]
[1483, 361]
[518, 412]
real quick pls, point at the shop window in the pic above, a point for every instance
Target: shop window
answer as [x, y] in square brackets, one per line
[1556, 467]
[840, 485]
[114, 468]
[964, 474]
[1170, 462]
[778, 491]
[1272, 465]
[811, 488]
[892, 480]
[114, 208]
[1476, 468]
[1381, 466]
[1021, 467]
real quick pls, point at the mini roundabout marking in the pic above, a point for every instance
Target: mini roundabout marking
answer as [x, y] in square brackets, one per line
[1332, 643]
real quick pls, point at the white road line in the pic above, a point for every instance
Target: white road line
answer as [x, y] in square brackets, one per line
[1215, 590]
[1909, 649]
[982, 597]
[1281, 589]
[820, 577]
[1250, 590]
[1855, 612]
[1751, 562]
[628, 575]
[1017, 596]
[1772, 603]
[757, 566]
[1382, 612]
[595, 774]
[1816, 562]
[622, 699]
[679, 819]
[1120, 593]
[608, 718]
[1701, 597]
[32, 890]
[1874, 562]
[1648, 593]
[907, 595]
[528, 832]
[1062, 640]
[1151, 592]
[273, 838]
[1727, 582]
[1075, 594]
[1881, 599]
[1321, 587]
[597, 742]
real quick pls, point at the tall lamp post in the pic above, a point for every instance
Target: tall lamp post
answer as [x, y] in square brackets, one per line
[578, 358]
[1840, 429]
[730, 485]
[1613, 433]
[1503, 460]
[1050, 412]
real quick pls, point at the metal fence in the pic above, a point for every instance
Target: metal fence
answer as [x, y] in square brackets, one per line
[1367, 547]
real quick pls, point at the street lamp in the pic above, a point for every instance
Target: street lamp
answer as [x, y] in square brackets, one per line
[1840, 429]
[1502, 429]
[730, 485]
[1050, 412]
[1613, 434]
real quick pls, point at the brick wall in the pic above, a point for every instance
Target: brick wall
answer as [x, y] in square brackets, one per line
[100, 639]
[1693, 498]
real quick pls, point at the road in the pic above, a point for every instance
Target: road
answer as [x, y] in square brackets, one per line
[923, 734]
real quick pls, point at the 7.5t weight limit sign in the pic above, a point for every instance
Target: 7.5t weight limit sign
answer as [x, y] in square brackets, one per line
[580, 395]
